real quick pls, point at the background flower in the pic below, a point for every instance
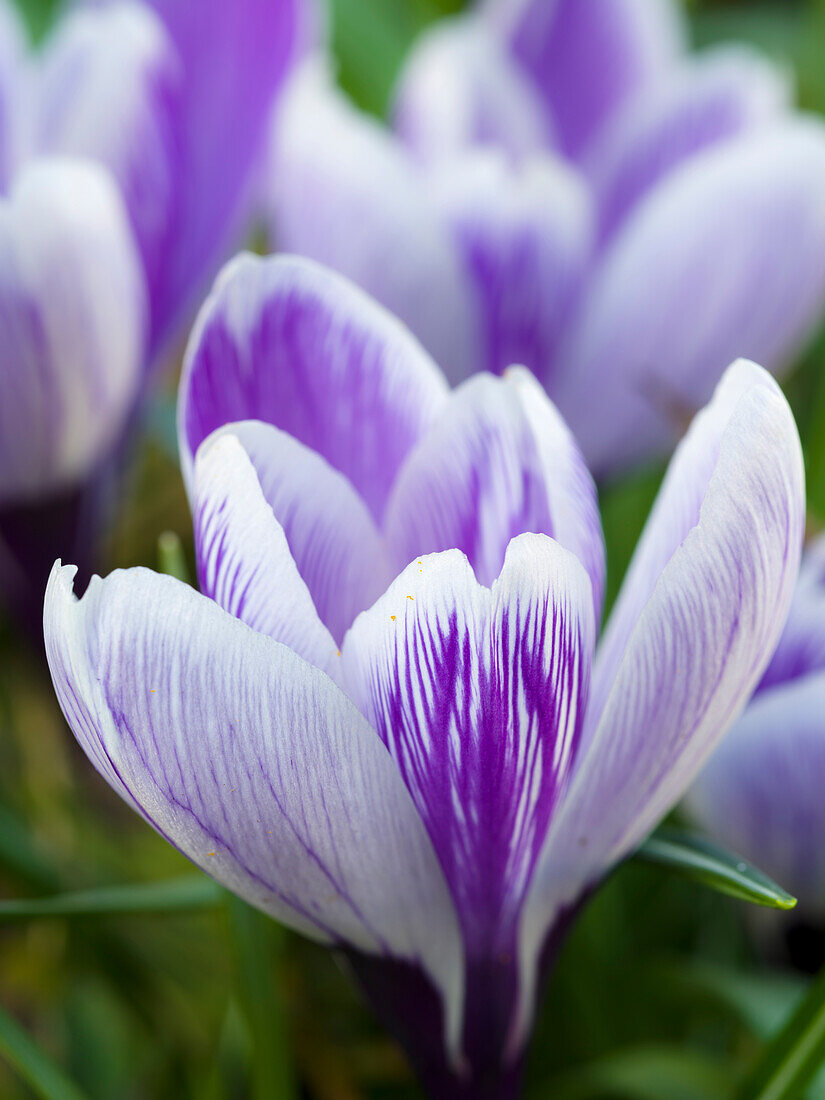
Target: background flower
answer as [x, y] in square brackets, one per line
[172, 99]
[761, 792]
[566, 188]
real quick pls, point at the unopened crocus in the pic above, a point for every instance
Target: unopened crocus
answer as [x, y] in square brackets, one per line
[566, 187]
[172, 100]
[761, 793]
[73, 335]
[382, 722]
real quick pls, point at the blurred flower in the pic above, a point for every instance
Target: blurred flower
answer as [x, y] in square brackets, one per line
[173, 99]
[398, 749]
[567, 189]
[761, 793]
[73, 321]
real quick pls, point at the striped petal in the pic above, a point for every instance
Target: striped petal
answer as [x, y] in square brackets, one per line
[72, 326]
[479, 694]
[283, 541]
[524, 236]
[712, 99]
[343, 191]
[284, 341]
[254, 765]
[667, 310]
[498, 462]
[109, 85]
[587, 57]
[460, 88]
[701, 612]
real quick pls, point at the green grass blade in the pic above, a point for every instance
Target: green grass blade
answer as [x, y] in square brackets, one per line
[184, 894]
[45, 1078]
[792, 1059]
[259, 944]
[171, 558]
[713, 866]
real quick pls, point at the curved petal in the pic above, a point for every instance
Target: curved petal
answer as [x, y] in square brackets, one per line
[713, 98]
[343, 191]
[588, 56]
[234, 59]
[109, 83]
[72, 326]
[499, 462]
[479, 696]
[285, 341]
[283, 542]
[524, 236]
[696, 650]
[761, 792]
[459, 87]
[253, 764]
[668, 309]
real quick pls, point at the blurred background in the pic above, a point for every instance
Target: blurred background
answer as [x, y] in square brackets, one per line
[664, 991]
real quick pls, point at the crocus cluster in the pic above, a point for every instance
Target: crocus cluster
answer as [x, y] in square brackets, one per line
[761, 793]
[566, 187]
[383, 720]
[127, 149]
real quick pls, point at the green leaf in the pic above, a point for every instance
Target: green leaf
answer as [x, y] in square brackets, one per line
[791, 1061]
[706, 862]
[171, 558]
[44, 1077]
[177, 895]
[259, 948]
[644, 1073]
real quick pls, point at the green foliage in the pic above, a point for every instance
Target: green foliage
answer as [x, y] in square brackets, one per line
[713, 866]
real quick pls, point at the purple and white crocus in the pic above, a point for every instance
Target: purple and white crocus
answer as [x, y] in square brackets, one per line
[127, 149]
[382, 722]
[761, 793]
[566, 187]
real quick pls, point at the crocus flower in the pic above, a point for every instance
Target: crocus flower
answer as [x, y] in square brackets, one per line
[565, 187]
[378, 722]
[172, 99]
[761, 793]
[73, 328]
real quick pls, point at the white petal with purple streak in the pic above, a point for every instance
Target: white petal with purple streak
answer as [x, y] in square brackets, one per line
[108, 84]
[717, 601]
[460, 88]
[253, 764]
[524, 235]
[287, 342]
[343, 191]
[720, 94]
[497, 463]
[479, 695]
[72, 325]
[273, 522]
[667, 310]
[587, 57]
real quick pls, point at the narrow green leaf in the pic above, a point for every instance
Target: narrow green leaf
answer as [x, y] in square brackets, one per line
[39, 1071]
[187, 893]
[259, 944]
[171, 558]
[706, 862]
[793, 1058]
